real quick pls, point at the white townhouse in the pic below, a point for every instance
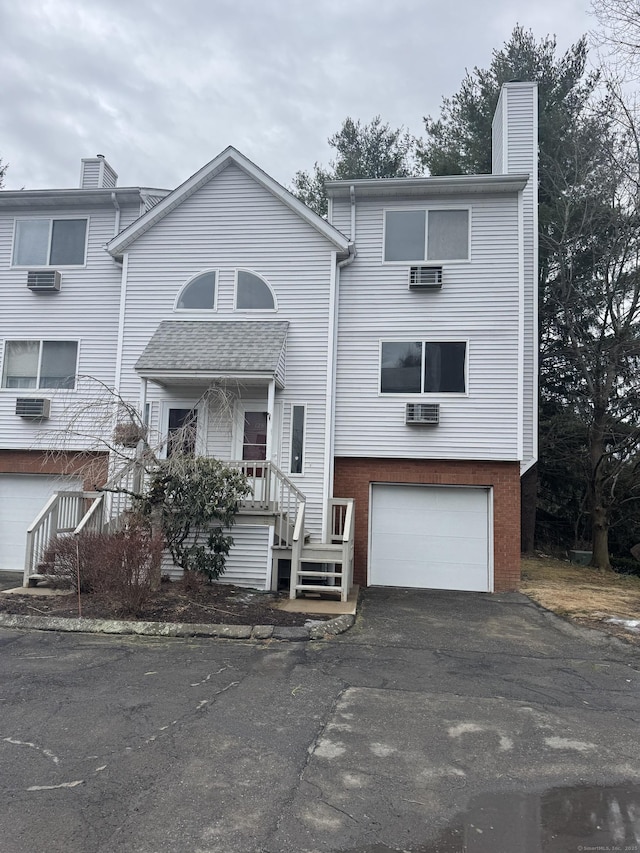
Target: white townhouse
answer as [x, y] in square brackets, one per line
[386, 355]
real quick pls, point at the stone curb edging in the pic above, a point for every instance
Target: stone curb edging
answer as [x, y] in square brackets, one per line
[313, 630]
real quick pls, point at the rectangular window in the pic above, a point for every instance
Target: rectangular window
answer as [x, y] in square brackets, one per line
[426, 235]
[49, 242]
[423, 367]
[297, 439]
[40, 364]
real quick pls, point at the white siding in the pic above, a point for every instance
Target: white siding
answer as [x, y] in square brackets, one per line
[517, 117]
[249, 562]
[85, 309]
[341, 217]
[228, 223]
[479, 303]
[90, 174]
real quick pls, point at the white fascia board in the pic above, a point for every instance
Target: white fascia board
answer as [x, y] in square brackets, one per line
[427, 186]
[196, 378]
[203, 176]
[51, 199]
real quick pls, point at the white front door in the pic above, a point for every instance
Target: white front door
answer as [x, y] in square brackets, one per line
[184, 428]
[250, 431]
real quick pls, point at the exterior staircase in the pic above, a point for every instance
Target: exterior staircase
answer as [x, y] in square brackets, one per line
[315, 567]
[324, 567]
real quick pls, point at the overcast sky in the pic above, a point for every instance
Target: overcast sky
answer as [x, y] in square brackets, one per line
[161, 87]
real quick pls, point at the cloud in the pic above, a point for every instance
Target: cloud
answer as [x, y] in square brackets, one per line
[161, 87]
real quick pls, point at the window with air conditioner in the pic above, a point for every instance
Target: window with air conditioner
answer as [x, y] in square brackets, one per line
[39, 364]
[423, 367]
[424, 236]
[50, 242]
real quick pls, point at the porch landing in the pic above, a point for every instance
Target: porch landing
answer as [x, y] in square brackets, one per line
[322, 606]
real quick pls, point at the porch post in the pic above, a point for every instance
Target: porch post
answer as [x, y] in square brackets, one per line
[270, 409]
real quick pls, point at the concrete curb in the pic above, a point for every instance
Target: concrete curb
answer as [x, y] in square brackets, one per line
[313, 630]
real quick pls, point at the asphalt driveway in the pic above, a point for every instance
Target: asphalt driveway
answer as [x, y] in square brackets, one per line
[373, 741]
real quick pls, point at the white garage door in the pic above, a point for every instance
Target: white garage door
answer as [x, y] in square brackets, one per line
[22, 496]
[432, 537]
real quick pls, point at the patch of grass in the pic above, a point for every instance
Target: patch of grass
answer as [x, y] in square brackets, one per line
[580, 592]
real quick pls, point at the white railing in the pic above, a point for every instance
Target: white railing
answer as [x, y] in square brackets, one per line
[61, 515]
[336, 551]
[272, 495]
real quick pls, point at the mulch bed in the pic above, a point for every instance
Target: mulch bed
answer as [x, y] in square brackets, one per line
[203, 603]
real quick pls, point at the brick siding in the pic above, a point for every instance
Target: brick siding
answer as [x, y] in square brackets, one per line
[353, 477]
[91, 466]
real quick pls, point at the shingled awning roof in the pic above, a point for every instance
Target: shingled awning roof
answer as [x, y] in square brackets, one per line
[190, 352]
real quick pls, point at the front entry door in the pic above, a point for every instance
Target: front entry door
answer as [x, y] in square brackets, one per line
[254, 435]
[181, 432]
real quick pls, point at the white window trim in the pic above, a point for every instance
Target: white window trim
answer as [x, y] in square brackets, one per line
[425, 395]
[198, 311]
[37, 390]
[252, 310]
[304, 439]
[47, 266]
[424, 261]
[202, 423]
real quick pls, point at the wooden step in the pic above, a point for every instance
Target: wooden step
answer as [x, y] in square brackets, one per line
[306, 574]
[316, 588]
[321, 554]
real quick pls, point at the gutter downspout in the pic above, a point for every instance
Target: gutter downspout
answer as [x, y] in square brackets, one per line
[116, 226]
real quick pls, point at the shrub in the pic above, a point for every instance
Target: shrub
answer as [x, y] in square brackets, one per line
[195, 501]
[121, 566]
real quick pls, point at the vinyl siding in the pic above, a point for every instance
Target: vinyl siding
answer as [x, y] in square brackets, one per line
[523, 157]
[90, 174]
[479, 303]
[248, 562]
[228, 223]
[86, 310]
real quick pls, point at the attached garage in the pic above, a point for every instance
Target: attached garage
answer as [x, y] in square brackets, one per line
[430, 537]
[22, 496]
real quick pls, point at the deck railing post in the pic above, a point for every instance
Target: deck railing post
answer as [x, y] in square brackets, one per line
[296, 549]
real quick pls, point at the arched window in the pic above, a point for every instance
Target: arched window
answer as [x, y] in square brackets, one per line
[253, 293]
[198, 294]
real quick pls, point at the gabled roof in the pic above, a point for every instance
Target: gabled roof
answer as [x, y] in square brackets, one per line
[209, 349]
[229, 156]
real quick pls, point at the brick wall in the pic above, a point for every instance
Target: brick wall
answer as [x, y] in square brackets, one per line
[91, 466]
[353, 477]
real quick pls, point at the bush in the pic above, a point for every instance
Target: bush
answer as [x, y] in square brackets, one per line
[195, 500]
[122, 566]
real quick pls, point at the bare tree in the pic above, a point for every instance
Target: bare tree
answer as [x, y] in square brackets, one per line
[619, 33]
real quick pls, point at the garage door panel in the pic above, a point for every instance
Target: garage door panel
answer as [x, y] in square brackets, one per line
[455, 576]
[22, 496]
[429, 536]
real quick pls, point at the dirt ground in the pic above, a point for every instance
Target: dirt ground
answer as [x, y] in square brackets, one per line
[583, 595]
[206, 603]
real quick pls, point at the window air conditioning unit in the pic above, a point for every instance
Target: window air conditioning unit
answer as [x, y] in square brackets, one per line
[33, 407]
[423, 413]
[43, 281]
[425, 278]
